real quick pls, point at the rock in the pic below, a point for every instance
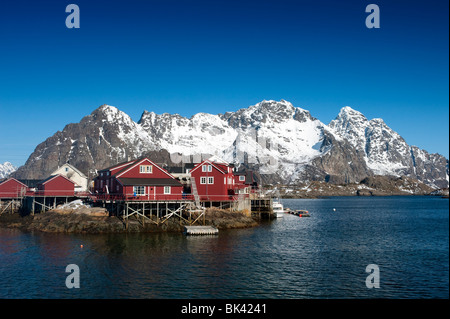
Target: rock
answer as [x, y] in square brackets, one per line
[364, 192]
[97, 220]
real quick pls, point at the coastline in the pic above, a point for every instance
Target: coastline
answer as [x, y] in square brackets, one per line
[93, 222]
[371, 186]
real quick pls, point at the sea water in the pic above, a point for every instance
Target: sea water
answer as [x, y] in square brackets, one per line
[322, 256]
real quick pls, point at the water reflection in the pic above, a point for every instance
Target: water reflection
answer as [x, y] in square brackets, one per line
[323, 256]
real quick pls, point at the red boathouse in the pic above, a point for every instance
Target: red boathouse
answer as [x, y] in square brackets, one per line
[12, 188]
[140, 179]
[214, 181]
[56, 186]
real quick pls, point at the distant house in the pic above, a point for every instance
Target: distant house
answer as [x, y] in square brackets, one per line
[56, 186]
[72, 173]
[12, 188]
[214, 180]
[245, 182]
[140, 179]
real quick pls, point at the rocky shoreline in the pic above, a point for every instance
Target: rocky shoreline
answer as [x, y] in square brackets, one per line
[93, 221]
[370, 186]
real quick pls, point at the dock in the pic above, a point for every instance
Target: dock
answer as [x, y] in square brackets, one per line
[298, 212]
[200, 230]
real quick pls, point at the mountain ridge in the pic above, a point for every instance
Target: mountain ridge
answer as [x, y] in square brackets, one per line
[284, 143]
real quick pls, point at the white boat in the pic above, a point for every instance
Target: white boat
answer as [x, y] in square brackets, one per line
[278, 209]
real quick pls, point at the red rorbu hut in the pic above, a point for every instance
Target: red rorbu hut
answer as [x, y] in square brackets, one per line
[56, 186]
[140, 179]
[214, 181]
[12, 188]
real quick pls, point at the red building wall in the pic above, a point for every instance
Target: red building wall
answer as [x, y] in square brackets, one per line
[155, 193]
[57, 186]
[111, 178]
[220, 188]
[12, 188]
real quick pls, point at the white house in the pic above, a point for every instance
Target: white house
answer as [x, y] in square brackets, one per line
[80, 180]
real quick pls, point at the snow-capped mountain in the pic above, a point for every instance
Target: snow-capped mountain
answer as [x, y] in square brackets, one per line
[6, 169]
[386, 152]
[284, 142]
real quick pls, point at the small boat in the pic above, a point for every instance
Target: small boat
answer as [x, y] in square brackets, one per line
[278, 209]
[302, 213]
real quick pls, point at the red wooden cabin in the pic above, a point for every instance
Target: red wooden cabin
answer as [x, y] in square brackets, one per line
[12, 188]
[138, 180]
[56, 186]
[215, 181]
[245, 182]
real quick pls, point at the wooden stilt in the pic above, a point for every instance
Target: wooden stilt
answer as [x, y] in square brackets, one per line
[126, 211]
[157, 212]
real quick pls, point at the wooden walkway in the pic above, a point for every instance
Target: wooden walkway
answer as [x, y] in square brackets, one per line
[200, 230]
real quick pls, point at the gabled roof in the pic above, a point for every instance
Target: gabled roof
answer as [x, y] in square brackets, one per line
[72, 167]
[13, 179]
[136, 163]
[217, 159]
[48, 179]
[117, 166]
[212, 164]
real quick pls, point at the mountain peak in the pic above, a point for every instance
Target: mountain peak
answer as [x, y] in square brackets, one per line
[110, 113]
[347, 111]
[6, 169]
[107, 108]
[272, 103]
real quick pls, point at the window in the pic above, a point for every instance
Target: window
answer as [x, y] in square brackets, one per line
[117, 188]
[139, 190]
[147, 169]
[206, 168]
[210, 180]
[242, 178]
[202, 180]
[67, 169]
[166, 189]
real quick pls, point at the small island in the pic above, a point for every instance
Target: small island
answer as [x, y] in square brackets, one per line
[97, 220]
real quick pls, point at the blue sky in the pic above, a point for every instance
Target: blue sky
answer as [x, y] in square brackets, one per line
[216, 56]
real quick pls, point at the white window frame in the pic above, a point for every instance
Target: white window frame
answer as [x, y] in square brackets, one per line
[207, 168]
[135, 188]
[242, 178]
[210, 179]
[203, 180]
[167, 190]
[146, 169]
